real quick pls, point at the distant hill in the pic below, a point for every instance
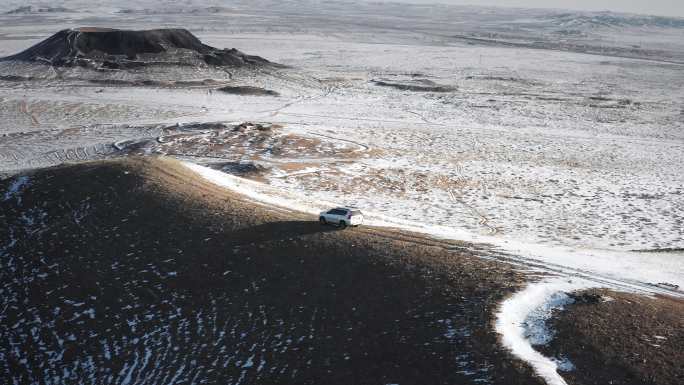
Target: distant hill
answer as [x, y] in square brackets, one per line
[115, 49]
[609, 19]
[31, 9]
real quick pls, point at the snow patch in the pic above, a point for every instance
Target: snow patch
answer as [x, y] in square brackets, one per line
[564, 364]
[536, 330]
[521, 322]
[15, 188]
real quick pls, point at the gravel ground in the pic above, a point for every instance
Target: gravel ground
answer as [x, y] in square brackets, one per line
[619, 338]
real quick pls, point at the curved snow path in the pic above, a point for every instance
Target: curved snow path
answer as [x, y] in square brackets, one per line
[522, 318]
[524, 314]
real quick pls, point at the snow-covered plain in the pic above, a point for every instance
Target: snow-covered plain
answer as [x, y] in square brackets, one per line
[497, 156]
[548, 147]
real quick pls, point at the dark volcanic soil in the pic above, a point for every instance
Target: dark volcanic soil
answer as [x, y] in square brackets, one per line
[138, 272]
[629, 340]
[247, 90]
[116, 49]
[415, 86]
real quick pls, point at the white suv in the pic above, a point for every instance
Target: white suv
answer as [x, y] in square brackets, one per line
[342, 216]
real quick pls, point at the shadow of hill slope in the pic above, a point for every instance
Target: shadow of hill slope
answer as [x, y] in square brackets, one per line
[275, 231]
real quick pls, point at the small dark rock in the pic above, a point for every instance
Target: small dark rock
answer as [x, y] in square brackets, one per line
[586, 298]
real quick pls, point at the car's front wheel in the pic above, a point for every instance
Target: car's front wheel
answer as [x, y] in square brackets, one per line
[343, 224]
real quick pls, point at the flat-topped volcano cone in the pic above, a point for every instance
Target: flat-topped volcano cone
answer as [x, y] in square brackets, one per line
[113, 48]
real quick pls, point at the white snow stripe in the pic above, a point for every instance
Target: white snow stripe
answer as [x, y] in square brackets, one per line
[524, 315]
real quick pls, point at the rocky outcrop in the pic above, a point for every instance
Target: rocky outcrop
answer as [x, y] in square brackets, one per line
[122, 49]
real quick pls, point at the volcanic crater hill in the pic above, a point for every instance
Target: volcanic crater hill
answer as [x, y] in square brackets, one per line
[119, 49]
[138, 271]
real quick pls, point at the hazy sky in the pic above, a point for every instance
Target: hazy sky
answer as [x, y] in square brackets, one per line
[654, 7]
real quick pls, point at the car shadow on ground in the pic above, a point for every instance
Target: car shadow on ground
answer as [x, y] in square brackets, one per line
[279, 230]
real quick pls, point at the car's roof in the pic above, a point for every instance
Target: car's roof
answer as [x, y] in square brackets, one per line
[345, 208]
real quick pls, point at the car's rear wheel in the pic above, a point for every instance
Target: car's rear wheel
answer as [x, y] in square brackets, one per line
[323, 221]
[343, 224]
